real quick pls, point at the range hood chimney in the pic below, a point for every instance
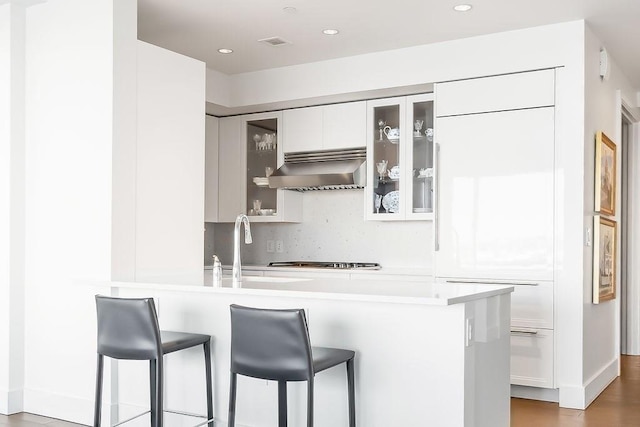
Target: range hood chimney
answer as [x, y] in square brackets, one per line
[322, 170]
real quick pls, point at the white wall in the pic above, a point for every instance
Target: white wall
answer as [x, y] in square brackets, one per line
[170, 165]
[601, 322]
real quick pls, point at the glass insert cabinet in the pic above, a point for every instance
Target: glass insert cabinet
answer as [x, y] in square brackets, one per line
[262, 160]
[400, 158]
[263, 148]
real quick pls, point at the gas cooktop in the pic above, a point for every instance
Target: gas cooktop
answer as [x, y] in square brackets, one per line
[328, 265]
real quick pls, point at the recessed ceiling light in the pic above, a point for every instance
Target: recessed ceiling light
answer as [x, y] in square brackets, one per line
[330, 32]
[225, 51]
[462, 8]
[289, 9]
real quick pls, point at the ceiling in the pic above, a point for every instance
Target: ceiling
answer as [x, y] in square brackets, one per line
[198, 28]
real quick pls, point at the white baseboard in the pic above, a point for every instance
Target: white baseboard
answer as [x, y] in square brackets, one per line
[11, 402]
[76, 409]
[581, 397]
[535, 393]
[64, 407]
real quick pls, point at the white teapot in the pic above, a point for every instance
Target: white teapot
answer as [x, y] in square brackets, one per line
[393, 134]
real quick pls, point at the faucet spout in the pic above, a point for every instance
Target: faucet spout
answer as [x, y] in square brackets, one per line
[237, 267]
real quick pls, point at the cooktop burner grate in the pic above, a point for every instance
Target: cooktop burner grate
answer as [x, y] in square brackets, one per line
[328, 265]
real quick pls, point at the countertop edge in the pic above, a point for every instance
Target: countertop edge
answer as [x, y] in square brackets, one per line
[355, 297]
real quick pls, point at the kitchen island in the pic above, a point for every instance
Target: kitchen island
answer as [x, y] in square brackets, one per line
[426, 353]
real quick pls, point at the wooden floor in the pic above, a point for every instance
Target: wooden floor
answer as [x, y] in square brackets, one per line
[617, 406]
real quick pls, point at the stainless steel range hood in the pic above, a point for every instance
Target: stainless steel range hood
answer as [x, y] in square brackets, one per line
[322, 170]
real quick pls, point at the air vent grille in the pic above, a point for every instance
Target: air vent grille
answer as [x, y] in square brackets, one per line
[326, 156]
[275, 41]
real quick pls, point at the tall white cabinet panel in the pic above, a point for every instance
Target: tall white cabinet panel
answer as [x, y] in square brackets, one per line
[211, 169]
[169, 166]
[496, 93]
[495, 195]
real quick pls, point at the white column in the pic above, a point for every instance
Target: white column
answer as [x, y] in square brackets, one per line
[12, 204]
[79, 92]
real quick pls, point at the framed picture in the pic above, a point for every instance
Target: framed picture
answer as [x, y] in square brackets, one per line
[605, 175]
[604, 259]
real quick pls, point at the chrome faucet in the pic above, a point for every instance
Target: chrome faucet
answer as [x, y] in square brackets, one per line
[237, 268]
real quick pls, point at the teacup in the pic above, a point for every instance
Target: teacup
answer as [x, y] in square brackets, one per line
[394, 172]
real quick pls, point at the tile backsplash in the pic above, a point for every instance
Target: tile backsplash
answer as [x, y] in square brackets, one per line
[333, 229]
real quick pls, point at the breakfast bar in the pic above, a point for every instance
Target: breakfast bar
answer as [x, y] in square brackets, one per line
[426, 353]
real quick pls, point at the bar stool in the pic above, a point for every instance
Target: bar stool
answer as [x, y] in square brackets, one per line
[128, 329]
[274, 345]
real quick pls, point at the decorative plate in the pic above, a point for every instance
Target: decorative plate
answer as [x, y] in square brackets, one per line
[391, 202]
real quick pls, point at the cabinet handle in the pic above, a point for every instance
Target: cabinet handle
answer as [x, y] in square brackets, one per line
[489, 282]
[524, 332]
[436, 196]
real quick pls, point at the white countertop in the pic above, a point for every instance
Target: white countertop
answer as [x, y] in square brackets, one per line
[397, 291]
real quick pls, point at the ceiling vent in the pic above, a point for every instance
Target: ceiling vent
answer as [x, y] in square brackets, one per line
[275, 41]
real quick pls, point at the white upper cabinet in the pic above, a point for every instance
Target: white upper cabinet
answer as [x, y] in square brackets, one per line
[496, 93]
[250, 150]
[230, 170]
[302, 129]
[327, 127]
[344, 125]
[400, 158]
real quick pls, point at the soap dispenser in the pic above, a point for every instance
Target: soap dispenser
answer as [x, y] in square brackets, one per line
[217, 272]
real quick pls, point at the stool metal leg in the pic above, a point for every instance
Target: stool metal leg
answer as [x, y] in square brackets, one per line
[157, 384]
[282, 404]
[97, 411]
[232, 399]
[153, 393]
[352, 393]
[310, 402]
[207, 362]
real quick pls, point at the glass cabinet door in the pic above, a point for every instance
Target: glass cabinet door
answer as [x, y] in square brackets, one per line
[420, 156]
[262, 160]
[385, 155]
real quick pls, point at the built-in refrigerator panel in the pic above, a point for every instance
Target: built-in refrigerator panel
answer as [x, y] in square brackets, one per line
[495, 195]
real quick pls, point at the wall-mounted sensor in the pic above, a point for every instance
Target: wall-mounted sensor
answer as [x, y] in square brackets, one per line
[604, 64]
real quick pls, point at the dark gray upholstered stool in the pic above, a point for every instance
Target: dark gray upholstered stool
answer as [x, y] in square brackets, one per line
[274, 345]
[128, 329]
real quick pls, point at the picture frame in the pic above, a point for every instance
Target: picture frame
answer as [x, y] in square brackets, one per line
[605, 175]
[605, 240]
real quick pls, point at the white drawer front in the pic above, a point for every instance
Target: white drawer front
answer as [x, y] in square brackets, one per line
[532, 357]
[532, 306]
[496, 93]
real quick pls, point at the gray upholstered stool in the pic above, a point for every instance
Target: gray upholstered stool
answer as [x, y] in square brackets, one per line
[128, 329]
[275, 345]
